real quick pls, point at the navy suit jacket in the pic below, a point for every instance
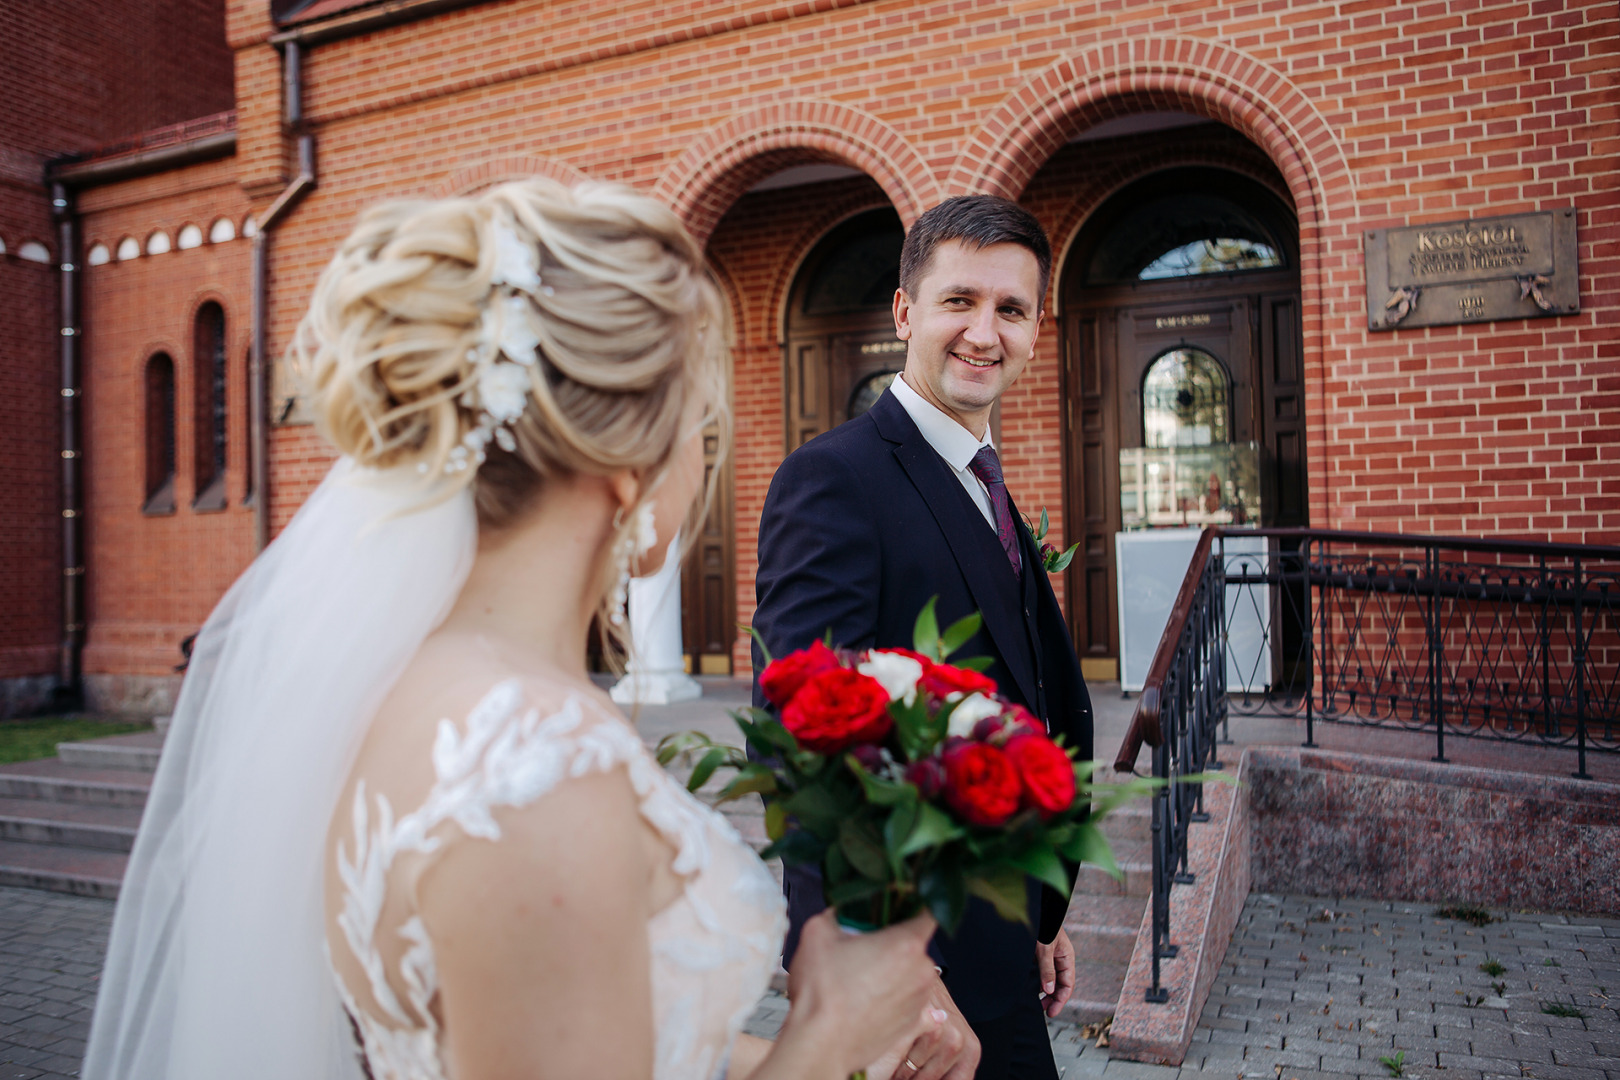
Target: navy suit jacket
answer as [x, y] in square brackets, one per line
[862, 525]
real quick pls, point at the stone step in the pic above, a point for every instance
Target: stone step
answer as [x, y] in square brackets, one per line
[51, 780]
[1107, 909]
[36, 821]
[136, 752]
[1096, 991]
[1129, 824]
[78, 870]
[1112, 944]
[1138, 880]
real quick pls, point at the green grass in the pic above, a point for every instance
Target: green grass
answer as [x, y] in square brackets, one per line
[1558, 1008]
[26, 740]
[1396, 1065]
[1492, 966]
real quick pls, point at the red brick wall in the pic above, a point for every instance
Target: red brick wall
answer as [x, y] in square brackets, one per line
[1372, 115]
[153, 579]
[77, 73]
[30, 494]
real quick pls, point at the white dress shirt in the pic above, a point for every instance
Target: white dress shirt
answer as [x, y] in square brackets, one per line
[950, 440]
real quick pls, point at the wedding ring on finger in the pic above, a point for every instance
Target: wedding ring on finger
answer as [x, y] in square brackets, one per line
[913, 1066]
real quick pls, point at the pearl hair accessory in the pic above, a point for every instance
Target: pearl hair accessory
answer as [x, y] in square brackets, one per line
[633, 543]
[505, 356]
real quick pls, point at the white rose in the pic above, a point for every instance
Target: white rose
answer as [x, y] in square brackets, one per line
[968, 712]
[897, 673]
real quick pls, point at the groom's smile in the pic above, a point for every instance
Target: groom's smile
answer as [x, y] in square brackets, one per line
[971, 327]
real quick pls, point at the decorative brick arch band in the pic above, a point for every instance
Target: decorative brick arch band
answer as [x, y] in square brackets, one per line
[1245, 160]
[728, 159]
[1207, 79]
[469, 179]
[1190, 75]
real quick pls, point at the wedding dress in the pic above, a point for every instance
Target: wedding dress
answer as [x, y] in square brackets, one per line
[218, 963]
[712, 949]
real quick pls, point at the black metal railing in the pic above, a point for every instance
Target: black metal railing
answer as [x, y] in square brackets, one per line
[1511, 640]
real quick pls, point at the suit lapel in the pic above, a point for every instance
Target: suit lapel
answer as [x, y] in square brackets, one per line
[973, 543]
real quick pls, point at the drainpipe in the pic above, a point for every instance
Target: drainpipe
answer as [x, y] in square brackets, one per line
[68, 688]
[258, 367]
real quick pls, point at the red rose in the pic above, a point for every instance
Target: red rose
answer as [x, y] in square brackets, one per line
[942, 680]
[1045, 771]
[1015, 720]
[782, 678]
[1019, 718]
[928, 774]
[981, 784]
[869, 758]
[837, 708]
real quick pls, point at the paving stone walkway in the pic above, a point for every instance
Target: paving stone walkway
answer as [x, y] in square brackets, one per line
[51, 950]
[1311, 989]
[1316, 989]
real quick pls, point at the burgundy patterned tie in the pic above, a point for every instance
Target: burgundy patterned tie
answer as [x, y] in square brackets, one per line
[987, 467]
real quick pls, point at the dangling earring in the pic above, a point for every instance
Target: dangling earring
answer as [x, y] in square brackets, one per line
[623, 545]
[631, 543]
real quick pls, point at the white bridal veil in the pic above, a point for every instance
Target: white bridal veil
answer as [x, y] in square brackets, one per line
[217, 965]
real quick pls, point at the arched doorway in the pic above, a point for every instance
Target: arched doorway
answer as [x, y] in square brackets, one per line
[1180, 306]
[841, 348]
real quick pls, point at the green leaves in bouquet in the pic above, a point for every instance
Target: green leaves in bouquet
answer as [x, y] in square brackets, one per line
[927, 639]
[1003, 885]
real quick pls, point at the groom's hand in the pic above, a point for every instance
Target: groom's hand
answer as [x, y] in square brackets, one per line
[948, 1052]
[1057, 972]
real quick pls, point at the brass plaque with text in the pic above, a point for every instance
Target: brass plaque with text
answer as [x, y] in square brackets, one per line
[1514, 267]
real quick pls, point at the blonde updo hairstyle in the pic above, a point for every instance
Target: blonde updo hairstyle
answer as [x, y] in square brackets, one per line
[633, 333]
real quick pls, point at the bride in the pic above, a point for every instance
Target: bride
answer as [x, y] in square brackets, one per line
[396, 830]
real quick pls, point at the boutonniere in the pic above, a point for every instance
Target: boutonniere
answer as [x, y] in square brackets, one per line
[1053, 559]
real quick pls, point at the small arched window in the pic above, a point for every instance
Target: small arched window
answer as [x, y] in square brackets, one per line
[1186, 400]
[159, 425]
[208, 409]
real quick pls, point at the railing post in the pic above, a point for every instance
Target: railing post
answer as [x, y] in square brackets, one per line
[1548, 729]
[1436, 650]
[1316, 620]
[1156, 993]
[1580, 674]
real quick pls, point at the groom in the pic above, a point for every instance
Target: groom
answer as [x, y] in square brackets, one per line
[867, 522]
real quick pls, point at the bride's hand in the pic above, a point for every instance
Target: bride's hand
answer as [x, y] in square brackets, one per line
[863, 993]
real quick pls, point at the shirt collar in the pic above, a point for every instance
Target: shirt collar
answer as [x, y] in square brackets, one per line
[950, 440]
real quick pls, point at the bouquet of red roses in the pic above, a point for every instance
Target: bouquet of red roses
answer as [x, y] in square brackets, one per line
[910, 781]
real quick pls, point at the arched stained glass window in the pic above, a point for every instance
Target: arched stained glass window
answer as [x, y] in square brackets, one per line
[868, 390]
[1218, 255]
[863, 270]
[1188, 232]
[159, 424]
[1186, 400]
[208, 415]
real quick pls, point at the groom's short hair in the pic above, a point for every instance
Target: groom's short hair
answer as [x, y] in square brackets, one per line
[977, 221]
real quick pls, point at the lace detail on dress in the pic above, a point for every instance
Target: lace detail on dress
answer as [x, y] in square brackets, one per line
[712, 949]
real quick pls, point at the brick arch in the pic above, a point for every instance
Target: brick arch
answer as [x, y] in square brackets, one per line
[734, 298]
[1248, 161]
[1147, 74]
[1207, 79]
[471, 178]
[788, 271]
[730, 158]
